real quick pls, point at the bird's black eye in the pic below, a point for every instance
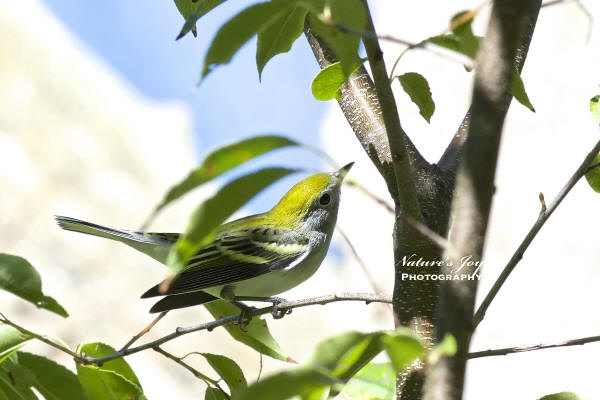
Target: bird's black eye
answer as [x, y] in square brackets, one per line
[325, 199]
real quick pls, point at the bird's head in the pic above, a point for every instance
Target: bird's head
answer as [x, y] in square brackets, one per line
[312, 203]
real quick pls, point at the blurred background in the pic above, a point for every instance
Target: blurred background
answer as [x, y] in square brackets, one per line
[101, 114]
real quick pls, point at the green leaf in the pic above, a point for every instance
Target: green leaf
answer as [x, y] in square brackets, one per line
[593, 176]
[210, 214]
[373, 381]
[562, 396]
[192, 11]
[214, 394]
[307, 383]
[100, 384]
[461, 39]
[517, 89]
[239, 30]
[326, 85]
[279, 36]
[595, 108]
[228, 370]
[417, 87]
[20, 278]
[351, 14]
[224, 159]
[11, 340]
[403, 348]
[257, 336]
[17, 381]
[52, 380]
[447, 347]
[118, 366]
[345, 354]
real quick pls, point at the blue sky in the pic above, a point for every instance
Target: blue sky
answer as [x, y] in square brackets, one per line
[139, 42]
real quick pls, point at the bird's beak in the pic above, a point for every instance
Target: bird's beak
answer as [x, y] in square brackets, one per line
[344, 170]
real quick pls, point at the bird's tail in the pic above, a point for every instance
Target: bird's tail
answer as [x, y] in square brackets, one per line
[176, 301]
[153, 244]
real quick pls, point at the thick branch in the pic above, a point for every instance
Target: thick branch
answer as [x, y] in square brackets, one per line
[451, 157]
[475, 186]
[512, 350]
[541, 220]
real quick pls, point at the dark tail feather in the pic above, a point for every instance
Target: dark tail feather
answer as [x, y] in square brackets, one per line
[152, 292]
[181, 301]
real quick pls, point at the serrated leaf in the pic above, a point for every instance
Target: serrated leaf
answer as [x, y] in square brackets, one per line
[118, 365]
[517, 90]
[403, 348]
[307, 383]
[417, 88]
[239, 30]
[214, 394]
[562, 396]
[593, 176]
[279, 36]
[373, 381]
[326, 85]
[228, 370]
[348, 13]
[595, 108]
[192, 11]
[222, 160]
[52, 380]
[11, 340]
[20, 278]
[210, 214]
[257, 335]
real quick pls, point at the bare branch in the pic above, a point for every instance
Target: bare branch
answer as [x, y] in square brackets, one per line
[363, 266]
[209, 326]
[512, 350]
[41, 338]
[542, 218]
[406, 191]
[144, 331]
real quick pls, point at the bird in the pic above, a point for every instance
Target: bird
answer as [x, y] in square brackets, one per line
[250, 259]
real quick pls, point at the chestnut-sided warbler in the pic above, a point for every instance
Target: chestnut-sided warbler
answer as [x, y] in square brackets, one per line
[252, 258]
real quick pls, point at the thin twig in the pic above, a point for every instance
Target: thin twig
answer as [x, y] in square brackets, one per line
[41, 338]
[369, 194]
[423, 45]
[363, 266]
[512, 350]
[144, 331]
[543, 202]
[209, 326]
[260, 366]
[197, 374]
[541, 220]
[582, 8]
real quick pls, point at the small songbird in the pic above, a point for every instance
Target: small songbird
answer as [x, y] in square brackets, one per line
[252, 258]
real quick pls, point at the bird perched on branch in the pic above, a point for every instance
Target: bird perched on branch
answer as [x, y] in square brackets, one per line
[250, 259]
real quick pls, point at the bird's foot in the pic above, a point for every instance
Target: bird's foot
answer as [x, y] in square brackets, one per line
[276, 312]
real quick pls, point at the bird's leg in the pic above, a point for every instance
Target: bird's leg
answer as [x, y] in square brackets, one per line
[276, 301]
[245, 314]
